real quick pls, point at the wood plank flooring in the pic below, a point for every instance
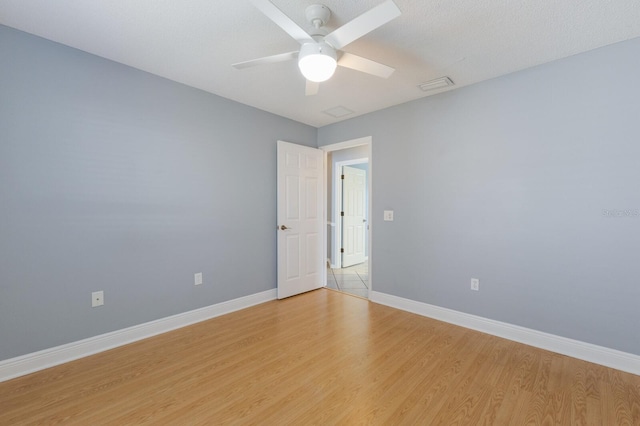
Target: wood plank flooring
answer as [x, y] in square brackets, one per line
[323, 358]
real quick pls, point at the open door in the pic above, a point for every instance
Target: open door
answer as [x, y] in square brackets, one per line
[300, 219]
[354, 222]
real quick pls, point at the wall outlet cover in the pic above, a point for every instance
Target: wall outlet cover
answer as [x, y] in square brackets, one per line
[475, 284]
[197, 278]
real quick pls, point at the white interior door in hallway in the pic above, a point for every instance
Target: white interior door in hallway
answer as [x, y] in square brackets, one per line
[354, 222]
[300, 219]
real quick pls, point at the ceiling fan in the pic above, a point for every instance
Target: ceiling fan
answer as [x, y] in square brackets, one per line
[320, 52]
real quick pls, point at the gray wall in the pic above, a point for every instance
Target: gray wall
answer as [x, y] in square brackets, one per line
[508, 181]
[117, 180]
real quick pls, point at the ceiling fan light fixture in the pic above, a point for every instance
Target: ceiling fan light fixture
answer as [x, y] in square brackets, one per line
[317, 61]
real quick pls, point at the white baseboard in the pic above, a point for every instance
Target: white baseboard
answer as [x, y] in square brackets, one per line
[29, 363]
[574, 348]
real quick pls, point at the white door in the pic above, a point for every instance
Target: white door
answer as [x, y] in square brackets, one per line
[300, 227]
[354, 224]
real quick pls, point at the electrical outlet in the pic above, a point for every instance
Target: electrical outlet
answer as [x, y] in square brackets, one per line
[97, 298]
[388, 215]
[197, 278]
[475, 284]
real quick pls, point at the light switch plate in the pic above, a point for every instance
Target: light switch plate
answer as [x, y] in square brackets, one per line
[388, 215]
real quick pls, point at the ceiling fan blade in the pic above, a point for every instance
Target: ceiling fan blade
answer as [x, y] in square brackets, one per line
[363, 24]
[359, 63]
[311, 88]
[267, 60]
[282, 20]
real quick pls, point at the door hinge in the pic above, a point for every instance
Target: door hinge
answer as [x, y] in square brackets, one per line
[341, 176]
[341, 213]
[341, 250]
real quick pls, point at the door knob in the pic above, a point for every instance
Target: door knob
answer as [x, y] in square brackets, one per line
[284, 227]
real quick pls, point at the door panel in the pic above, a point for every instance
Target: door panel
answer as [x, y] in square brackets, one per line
[293, 249]
[312, 193]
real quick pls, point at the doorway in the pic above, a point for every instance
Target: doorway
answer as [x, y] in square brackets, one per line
[348, 272]
[353, 279]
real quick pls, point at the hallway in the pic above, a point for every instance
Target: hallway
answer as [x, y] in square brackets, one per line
[353, 280]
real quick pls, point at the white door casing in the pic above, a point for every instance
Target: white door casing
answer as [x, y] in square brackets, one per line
[354, 224]
[300, 219]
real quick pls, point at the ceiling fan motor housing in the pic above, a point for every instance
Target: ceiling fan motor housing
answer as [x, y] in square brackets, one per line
[318, 48]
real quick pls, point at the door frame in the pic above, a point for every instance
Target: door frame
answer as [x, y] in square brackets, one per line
[366, 140]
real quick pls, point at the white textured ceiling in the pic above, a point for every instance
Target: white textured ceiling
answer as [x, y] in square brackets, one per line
[196, 41]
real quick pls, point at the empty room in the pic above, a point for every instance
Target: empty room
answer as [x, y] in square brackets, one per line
[477, 265]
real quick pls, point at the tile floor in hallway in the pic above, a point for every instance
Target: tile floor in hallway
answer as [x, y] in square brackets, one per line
[354, 279]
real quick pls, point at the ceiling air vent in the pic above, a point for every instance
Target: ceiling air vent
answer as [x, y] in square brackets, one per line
[438, 83]
[338, 112]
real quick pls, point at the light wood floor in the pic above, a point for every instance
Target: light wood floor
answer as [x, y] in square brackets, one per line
[324, 358]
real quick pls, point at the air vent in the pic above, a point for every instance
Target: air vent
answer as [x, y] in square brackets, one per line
[338, 112]
[438, 83]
